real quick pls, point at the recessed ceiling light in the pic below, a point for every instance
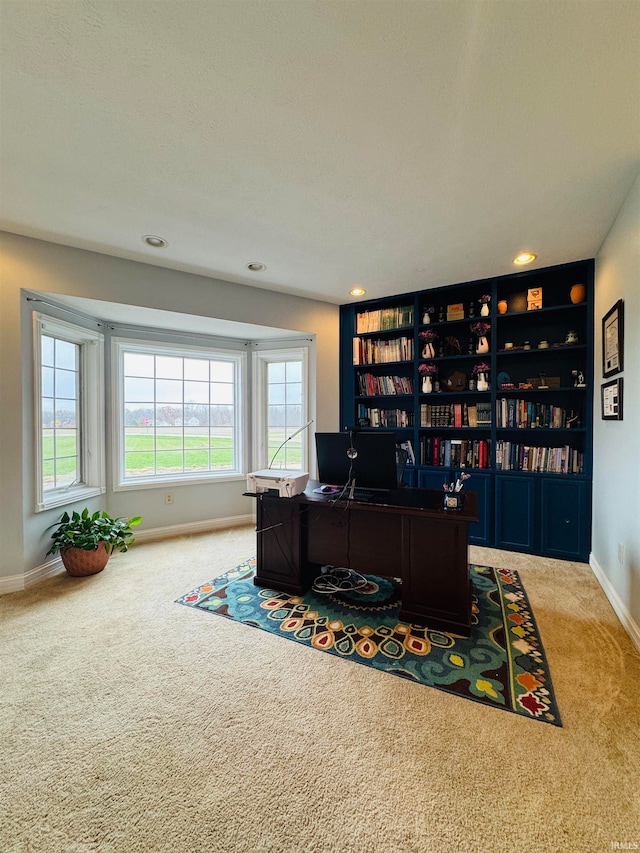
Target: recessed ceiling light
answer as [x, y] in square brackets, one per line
[254, 266]
[155, 242]
[524, 258]
[358, 291]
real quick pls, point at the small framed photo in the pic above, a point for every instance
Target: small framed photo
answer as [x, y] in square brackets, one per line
[613, 340]
[612, 400]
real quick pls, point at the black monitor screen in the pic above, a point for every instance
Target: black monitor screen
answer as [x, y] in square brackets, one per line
[373, 467]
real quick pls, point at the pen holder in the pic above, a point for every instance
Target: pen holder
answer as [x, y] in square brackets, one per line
[453, 500]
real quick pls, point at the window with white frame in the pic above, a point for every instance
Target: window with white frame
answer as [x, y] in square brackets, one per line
[69, 412]
[178, 411]
[281, 404]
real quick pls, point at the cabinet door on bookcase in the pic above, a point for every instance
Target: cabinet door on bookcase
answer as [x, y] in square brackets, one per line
[481, 484]
[515, 513]
[409, 476]
[566, 510]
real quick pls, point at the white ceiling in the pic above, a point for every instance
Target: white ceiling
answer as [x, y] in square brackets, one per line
[396, 144]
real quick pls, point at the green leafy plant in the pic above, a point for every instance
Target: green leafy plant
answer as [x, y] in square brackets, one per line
[85, 531]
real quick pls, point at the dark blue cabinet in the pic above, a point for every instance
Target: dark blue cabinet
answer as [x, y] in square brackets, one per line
[515, 513]
[566, 513]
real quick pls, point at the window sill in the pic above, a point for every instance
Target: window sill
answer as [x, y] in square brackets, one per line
[78, 493]
[138, 485]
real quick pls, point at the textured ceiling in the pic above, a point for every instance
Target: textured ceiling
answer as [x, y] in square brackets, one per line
[392, 144]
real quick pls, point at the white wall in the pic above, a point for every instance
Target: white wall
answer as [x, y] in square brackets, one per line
[616, 467]
[36, 265]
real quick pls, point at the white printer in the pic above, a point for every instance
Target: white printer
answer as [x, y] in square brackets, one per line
[286, 483]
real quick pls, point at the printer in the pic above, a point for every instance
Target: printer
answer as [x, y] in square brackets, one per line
[286, 483]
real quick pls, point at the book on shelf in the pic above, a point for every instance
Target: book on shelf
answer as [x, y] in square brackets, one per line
[455, 452]
[377, 417]
[373, 351]
[371, 385]
[526, 414]
[514, 456]
[384, 319]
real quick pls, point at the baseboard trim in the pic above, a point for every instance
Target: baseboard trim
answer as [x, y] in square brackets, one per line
[18, 583]
[628, 623]
[174, 530]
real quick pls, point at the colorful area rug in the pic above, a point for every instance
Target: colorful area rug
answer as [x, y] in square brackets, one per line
[501, 664]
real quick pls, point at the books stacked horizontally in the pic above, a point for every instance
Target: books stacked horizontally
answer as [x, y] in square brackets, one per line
[384, 319]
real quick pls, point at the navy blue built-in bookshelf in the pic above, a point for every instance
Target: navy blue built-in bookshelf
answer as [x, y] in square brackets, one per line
[527, 438]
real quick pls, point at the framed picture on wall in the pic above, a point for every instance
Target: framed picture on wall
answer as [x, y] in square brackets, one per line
[613, 340]
[612, 400]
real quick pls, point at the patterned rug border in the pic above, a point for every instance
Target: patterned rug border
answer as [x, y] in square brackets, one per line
[529, 684]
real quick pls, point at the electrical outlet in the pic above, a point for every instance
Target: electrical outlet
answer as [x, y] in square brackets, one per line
[168, 498]
[621, 553]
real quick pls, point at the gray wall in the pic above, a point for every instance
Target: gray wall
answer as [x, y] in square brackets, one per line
[616, 468]
[36, 265]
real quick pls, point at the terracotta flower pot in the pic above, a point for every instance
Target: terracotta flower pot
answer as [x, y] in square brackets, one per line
[80, 563]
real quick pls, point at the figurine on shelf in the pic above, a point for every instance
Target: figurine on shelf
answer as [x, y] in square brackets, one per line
[428, 336]
[441, 314]
[472, 310]
[484, 305]
[578, 378]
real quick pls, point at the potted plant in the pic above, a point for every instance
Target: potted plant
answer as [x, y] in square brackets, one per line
[87, 540]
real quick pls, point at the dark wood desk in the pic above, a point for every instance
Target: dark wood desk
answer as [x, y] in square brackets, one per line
[409, 536]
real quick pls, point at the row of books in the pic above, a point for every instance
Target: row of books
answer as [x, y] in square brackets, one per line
[455, 452]
[372, 385]
[455, 414]
[384, 319]
[527, 414]
[511, 456]
[386, 417]
[374, 351]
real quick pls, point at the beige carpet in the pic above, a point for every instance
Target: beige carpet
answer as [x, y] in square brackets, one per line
[130, 723]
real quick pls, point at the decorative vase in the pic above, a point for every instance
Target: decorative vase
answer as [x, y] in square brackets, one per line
[483, 345]
[483, 382]
[502, 306]
[484, 311]
[428, 351]
[79, 563]
[426, 318]
[578, 293]
[427, 384]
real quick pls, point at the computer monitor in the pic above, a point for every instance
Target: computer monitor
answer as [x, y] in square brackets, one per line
[366, 458]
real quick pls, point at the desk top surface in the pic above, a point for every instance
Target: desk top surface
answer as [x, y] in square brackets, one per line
[406, 498]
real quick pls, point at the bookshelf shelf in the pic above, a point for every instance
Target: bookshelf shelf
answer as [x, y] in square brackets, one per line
[518, 508]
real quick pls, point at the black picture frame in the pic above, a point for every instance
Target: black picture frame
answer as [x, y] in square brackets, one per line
[611, 400]
[613, 340]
